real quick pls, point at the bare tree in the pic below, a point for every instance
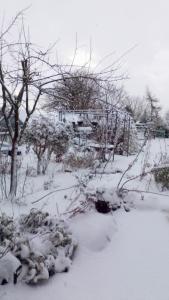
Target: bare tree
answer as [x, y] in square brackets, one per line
[25, 71]
[135, 106]
[77, 90]
[26, 74]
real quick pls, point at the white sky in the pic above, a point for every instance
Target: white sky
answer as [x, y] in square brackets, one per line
[112, 26]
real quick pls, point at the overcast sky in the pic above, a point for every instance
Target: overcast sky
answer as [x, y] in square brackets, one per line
[112, 27]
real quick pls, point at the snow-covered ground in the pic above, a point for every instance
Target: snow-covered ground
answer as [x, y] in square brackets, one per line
[121, 256]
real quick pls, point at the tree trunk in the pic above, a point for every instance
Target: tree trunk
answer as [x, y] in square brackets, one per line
[13, 175]
[39, 166]
[45, 163]
[45, 160]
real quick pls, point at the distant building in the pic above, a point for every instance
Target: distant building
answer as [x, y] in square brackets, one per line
[104, 126]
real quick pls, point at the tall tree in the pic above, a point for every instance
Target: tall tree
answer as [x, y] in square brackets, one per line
[25, 72]
[153, 107]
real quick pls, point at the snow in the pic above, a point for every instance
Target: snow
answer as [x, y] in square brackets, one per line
[122, 270]
[121, 256]
[8, 267]
[62, 264]
[94, 231]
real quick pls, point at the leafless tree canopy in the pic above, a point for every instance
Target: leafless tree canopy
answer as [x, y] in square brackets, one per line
[26, 74]
[135, 106]
[76, 90]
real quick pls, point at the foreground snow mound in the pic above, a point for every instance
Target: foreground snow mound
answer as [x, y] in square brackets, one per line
[43, 245]
[94, 231]
[10, 268]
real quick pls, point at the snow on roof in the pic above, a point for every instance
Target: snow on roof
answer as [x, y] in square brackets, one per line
[71, 117]
[97, 145]
[85, 129]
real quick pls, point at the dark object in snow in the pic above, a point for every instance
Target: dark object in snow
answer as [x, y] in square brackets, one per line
[126, 208]
[4, 281]
[66, 270]
[115, 206]
[102, 206]
[16, 274]
[18, 152]
[105, 200]
[68, 171]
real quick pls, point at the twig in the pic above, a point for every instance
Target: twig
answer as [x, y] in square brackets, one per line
[135, 177]
[55, 191]
[131, 164]
[146, 192]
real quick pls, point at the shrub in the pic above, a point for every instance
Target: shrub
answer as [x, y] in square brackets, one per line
[7, 228]
[43, 244]
[161, 176]
[31, 171]
[78, 160]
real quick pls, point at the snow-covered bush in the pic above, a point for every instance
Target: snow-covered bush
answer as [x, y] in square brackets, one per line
[31, 171]
[4, 166]
[41, 243]
[161, 176]
[46, 137]
[79, 159]
[10, 269]
[7, 229]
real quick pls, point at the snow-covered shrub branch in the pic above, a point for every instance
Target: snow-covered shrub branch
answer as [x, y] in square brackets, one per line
[46, 137]
[41, 243]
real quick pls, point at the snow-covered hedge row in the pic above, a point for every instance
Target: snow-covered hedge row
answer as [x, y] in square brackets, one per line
[42, 244]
